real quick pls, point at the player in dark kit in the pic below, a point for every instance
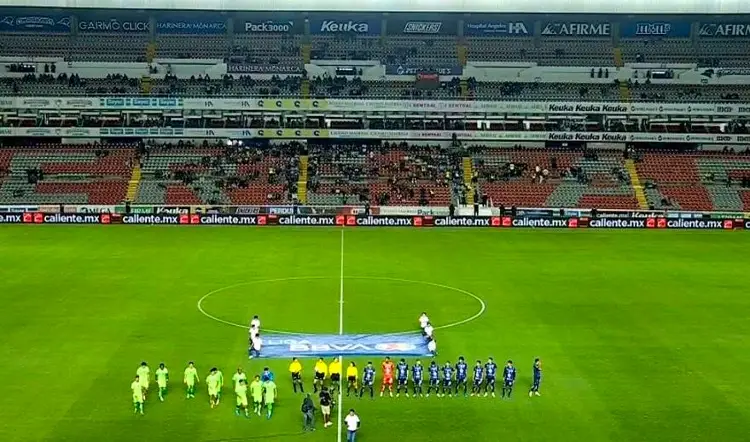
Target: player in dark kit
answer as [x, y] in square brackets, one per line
[537, 377]
[416, 377]
[509, 378]
[402, 377]
[462, 370]
[368, 380]
[434, 371]
[490, 369]
[476, 389]
[447, 379]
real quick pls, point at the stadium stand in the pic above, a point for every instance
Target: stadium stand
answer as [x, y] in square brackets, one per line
[378, 57]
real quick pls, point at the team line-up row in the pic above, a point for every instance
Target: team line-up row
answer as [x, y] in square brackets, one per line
[262, 389]
[445, 380]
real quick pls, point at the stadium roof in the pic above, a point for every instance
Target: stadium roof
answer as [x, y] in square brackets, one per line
[486, 6]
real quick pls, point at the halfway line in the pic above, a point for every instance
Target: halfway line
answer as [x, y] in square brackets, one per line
[341, 332]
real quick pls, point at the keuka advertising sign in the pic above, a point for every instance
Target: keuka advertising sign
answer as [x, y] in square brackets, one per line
[344, 26]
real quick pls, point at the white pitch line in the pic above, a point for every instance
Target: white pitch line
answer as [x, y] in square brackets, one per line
[481, 302]
[341, 332]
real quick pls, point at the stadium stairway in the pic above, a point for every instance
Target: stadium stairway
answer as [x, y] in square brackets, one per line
[150, 52]
[617, 53]
[302, 182]
[624, 92]
[462, 53]
[134, 183]
[464, 88]
[468, 172]
[305, 51]
[304, 88]
[146, 85]
[635, 182]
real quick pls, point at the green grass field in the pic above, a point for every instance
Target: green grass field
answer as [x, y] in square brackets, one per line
[644, 334]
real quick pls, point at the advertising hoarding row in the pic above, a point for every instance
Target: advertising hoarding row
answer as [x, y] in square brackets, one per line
[374, 221]
[43, 20]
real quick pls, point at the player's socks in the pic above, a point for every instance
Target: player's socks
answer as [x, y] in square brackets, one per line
[237, 411]
[270, 411]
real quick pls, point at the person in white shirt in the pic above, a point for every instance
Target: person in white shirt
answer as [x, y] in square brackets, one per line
[255, 323]
[423, 320]
[428, 331]
[432, 347]
[257, 344]
[352, 425]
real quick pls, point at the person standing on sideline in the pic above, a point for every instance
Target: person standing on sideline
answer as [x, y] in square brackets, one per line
[352, 425]
[257, 344]
[308, 413]
[325, 407]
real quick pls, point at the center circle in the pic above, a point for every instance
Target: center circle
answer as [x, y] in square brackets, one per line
[299, 298]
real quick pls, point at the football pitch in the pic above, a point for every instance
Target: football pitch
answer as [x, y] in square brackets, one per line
[644, 335]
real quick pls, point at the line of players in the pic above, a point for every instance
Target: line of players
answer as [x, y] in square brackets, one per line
[262, 389]
[446, 380]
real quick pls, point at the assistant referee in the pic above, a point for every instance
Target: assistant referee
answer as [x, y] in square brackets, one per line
[334, 369]
[321, 371]
[295, 368]
[351, 375]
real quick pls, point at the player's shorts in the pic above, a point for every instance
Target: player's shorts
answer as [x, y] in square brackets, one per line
[269, 402]
[257, 400]
[336, 377]
[446, 382]
[368, 383]
[242, 401]
[325, 409]
[434, 381]
[144, 384]
[213, 391]
[491, 380]
[320, 376]
[508, 383]
[137, 398]
[477, 382]
[352, 379]
[417, 381]
[388, 380]
[162, 384]
[296, 376]
[402, 381]
[461, 381]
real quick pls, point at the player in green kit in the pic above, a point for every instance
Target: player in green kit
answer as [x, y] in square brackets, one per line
[269, 396]
[213, 382]
[256, 391]
[137, 389]
[239, 376]
[144, 375]
[240, 390]
[190, 379]
[162, 376]
[219, 375]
